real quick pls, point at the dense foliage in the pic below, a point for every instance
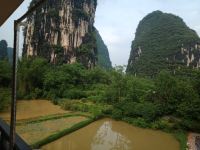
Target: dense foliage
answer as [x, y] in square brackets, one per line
[165, 102]
[160, 37]
[38, 78]
[3, 49]
[5, 84]
[5, 76]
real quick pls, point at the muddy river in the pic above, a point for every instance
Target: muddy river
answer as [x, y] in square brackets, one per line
[27, 109]
[107, 134]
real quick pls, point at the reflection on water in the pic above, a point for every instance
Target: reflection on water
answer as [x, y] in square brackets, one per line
[109, 139]
[107, 134]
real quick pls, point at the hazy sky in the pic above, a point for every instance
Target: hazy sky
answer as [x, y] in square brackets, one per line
[117, 21]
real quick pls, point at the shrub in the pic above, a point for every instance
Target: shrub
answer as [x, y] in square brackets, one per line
[76, 105]
[182, 138]
[160, 124]
[74, 94]
[145, 110]
[107, 110]
[137, 122]
[5, 98]
[67, 104]
[141, 123]
[117, 113]
[36, 93]
[190, 125]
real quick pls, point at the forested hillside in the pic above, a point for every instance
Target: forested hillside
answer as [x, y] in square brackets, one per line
[163, 42]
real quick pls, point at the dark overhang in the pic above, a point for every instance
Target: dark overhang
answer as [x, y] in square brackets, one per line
[7, 7]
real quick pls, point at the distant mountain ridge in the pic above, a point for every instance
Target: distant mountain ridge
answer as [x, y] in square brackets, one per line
[5, 51]
[163, 42]
[103, 53]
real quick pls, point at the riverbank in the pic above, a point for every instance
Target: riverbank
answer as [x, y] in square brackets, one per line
[107, 133]
[197, 142]
[40, 122]
[193, 141]
[107, 111]
[41, 117]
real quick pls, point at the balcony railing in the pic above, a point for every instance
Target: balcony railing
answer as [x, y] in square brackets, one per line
[5, 138]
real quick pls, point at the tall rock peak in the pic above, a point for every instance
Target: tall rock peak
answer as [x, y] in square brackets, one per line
[59, 29]
[163, 42]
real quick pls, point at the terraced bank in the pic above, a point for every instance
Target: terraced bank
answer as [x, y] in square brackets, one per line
[40, 122]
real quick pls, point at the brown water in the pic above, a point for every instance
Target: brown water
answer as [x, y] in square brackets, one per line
[107, 134]
[28, 109]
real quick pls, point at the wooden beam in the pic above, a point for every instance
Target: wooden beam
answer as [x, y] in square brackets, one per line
[7, 7]
[14, 75]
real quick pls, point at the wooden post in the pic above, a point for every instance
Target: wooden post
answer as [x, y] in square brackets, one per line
[14, 73]
[14, 87]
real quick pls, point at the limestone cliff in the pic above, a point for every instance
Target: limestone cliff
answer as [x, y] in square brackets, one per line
[163, 42]
[60, 30]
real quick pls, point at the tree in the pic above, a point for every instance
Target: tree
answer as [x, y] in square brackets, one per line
[31, 73]
[116, 92]
[5, 73]
[166, 89]
[5, 84]
[176, 97]
[5, 97]
[3, 49]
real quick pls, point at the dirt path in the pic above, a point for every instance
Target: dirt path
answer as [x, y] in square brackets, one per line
[193, 141]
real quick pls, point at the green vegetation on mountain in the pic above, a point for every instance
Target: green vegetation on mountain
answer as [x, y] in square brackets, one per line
[91, 51]
[103, 54]
[158, 41]
[85, 53]
[170, 101]
[63, 32]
